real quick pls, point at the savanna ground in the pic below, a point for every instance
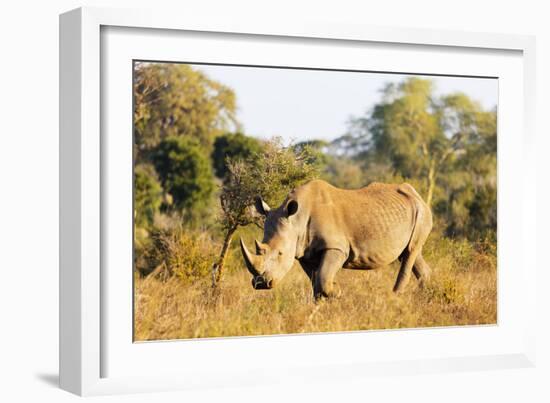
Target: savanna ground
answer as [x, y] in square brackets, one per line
[462, 291]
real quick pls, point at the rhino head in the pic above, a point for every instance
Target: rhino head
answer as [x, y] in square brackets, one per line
[275, 254]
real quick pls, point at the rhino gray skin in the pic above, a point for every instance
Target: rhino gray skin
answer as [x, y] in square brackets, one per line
[326, 228]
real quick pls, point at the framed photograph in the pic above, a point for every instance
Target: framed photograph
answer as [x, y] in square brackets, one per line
[251, 202]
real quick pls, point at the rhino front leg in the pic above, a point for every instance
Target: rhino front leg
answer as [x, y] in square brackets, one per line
[323, 279]
[309, 267]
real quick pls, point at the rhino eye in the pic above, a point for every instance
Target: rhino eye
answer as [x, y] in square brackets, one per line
[280, 253]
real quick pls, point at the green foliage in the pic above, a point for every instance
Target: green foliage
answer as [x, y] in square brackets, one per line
[279, 169]
[483, 212]
[147, 194]
[185, 171]
[176, 100]
[178, 112]
[470, 176]
[232, 146]
[316, 152]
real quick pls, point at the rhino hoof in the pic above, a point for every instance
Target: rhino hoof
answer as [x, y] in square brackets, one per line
[322, 295]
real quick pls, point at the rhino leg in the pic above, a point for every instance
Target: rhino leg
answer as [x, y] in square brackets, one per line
[323, 279]
[309, 267]
[420, 232]
[404, 275]
[421, 269]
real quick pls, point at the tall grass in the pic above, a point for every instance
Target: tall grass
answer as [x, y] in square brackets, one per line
[462, 291]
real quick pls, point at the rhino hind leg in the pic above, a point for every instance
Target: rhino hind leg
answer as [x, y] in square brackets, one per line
[421, 269]
[323, 278]
[410, 256]
[404, 275]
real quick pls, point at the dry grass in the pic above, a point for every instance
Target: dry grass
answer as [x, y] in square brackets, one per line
[462, 291]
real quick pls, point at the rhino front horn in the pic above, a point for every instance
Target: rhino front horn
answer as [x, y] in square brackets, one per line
[251, 261]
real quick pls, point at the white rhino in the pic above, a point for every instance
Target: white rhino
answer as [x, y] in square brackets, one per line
[326, 228]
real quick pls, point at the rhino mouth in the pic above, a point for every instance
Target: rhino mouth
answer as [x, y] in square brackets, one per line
[259, 283]
[254, 263]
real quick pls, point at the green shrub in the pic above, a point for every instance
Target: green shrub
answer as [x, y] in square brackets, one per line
[445, 291]
[181, 253]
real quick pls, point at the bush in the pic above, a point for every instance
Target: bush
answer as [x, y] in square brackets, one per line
[445, 291]
[186, 255]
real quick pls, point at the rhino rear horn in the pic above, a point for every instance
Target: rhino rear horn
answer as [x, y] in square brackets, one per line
[251, 261]
[261, 206]
[261, 248]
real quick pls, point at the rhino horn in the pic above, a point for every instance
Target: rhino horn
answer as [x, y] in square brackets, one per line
[252, 261]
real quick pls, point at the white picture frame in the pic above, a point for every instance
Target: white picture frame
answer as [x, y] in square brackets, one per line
[86, 346]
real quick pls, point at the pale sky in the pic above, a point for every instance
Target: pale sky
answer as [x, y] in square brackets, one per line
[310, 104]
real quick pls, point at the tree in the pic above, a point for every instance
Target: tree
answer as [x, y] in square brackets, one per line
[405, 129]
[445, 146]
[178, 100]
[232, 146]
[185, 171]
[147, 195]
[272, 174]
[344, 173]
[470, 176]
[418, 133]
[333, 166]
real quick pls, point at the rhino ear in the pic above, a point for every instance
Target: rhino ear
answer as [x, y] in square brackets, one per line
[292, 207]
[261, 206]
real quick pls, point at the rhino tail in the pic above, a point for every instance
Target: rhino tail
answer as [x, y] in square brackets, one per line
[422, 217]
